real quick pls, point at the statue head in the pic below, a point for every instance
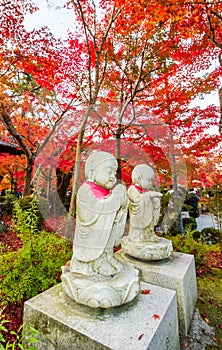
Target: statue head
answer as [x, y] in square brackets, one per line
[100, 167]
[142, 176]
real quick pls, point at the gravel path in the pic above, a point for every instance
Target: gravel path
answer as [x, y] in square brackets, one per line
[200, 334]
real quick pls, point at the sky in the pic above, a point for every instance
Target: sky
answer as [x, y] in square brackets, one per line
[52, 14]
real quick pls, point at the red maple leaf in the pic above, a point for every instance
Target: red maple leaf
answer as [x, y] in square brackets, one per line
[156, 317]
[140, 337]
[145, 291]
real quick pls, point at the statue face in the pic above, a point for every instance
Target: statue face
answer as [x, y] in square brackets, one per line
[105, 174]
[142, 176]
[146, 182]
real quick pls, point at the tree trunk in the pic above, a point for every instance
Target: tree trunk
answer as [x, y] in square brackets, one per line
[118, 153]
[63, 180]
[69, 234]
[28, 153]
[75, 185]
[220, 99]
[28, 177]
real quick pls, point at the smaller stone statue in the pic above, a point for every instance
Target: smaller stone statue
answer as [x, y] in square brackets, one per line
[144, 207]
[95, 277]
[144, 210]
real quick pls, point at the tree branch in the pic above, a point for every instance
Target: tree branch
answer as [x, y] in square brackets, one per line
[7, 120]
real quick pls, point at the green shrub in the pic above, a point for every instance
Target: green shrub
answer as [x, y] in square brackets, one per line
[2, 248]
[206, 256]
[189, 224]
[210, 235]
[23, 334]
[173, 230]
[27, 216]
[10, 199]
[33, 268]
[2, 198]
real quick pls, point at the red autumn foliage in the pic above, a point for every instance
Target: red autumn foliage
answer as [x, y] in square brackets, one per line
[14, 323]
[149, 59]
[157, 68]
[10, 241]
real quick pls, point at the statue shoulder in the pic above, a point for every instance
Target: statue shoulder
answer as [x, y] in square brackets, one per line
[133, 193]
[84, 191]
[155, 194]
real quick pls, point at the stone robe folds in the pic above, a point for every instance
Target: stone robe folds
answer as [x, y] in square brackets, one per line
[144, 208]
[100, 224]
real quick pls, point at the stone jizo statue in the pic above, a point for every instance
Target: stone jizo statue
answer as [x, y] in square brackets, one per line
[101, 217]
[144, 206]
[95, 277]
[144, 212]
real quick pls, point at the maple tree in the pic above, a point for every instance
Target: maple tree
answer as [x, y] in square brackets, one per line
[182, 54]
[130, 73]
[95, 33]
[11, 172]
[132, 81]
[128, 67]
[205, 170]
[29, 61]
[151, 64]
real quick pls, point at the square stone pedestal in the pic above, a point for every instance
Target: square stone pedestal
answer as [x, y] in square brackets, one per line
[177, 273]
[149, 322]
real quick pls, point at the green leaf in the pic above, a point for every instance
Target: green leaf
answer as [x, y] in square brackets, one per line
[13, 332]
[2, 339]
[2, 328]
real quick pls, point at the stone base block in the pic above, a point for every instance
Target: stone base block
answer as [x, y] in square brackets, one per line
[149, 322]
[177, 273]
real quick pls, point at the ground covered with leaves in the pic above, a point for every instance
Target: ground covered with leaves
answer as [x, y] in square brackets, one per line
[208, 260]
[30, 263]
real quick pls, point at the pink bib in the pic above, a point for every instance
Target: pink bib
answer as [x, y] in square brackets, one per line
[140, 189]
[98, 191]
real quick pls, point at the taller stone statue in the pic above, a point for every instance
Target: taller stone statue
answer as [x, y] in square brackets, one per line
[101, 218]
[95, 277]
